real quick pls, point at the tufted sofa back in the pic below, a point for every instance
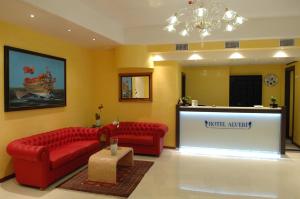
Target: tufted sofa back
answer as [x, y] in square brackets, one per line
[57, 138]
[140, 128]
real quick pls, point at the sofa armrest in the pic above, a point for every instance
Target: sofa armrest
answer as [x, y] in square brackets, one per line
[162, 130]
[23, 151]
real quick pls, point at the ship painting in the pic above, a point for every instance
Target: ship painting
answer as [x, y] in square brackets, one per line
[33, 80]
[41, 86]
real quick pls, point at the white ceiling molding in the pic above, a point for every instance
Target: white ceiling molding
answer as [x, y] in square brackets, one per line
[228, 57]
[258, 28]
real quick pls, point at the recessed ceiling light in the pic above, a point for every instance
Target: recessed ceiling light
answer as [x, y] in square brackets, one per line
[195, 56]
[69, 30]
[280, 54]
[94, 39]
[157, 58]
[32, 15]
[236, 55]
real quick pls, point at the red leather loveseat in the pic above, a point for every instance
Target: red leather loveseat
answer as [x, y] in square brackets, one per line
[41, 159]
[144, 138]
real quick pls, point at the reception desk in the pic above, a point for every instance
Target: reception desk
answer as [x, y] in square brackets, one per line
[231, 128]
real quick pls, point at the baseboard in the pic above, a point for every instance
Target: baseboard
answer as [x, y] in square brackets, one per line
[169, 147]
[7, 177]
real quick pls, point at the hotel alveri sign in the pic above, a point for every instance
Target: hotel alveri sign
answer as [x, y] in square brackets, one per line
[228, 124]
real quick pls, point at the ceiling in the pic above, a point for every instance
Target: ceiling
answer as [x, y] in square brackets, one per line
[142, 21]
[141, 13]
[112, 23]
[50, 24]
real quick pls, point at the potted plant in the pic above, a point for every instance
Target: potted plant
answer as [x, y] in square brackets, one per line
[98, 117]
[273, 102]
[186, 100]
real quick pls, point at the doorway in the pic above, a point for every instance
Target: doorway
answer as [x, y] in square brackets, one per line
[183, 85]
[289, 104]
[245, 90]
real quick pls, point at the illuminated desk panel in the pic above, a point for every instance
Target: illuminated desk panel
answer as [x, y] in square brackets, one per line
[232, 128]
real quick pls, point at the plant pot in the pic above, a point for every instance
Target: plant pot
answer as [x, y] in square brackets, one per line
[274, 105]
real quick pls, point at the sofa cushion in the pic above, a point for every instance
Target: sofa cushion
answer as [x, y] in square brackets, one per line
[68, 152]
[135, 139]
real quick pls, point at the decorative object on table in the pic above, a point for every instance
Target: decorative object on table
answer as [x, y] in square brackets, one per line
[203, 17]
[128, 178]
[116, 123]
[271, 80]
[180, 102]
[98, 116]
[186, 100]
[194, 102]
[273, 102]
[113, 145]
[33, 80]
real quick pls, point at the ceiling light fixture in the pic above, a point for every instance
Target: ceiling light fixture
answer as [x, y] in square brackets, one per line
[280, 54]
[31, 15]
[236, 55]
[195, 57]
[69, 30]
[157, 58]
[205, 17]
[94, 39]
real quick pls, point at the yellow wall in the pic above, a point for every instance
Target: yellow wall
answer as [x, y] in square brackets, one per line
[166, 91]
[210, 85]
[133, 56]
[78, 111]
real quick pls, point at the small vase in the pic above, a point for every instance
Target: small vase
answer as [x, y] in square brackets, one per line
[98, 123]
[113, 146]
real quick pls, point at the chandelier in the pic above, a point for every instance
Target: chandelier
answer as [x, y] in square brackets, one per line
[203, 16]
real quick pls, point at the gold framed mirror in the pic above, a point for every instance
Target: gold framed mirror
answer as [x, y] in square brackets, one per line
[135, 86]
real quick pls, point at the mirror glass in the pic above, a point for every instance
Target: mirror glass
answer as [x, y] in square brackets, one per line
[135, 87]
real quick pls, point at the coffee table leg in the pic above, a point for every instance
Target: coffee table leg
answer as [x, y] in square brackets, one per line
[103, 172]
[127, 160]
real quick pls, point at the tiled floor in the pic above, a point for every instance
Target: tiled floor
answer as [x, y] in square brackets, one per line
[175, 175]
[290, 146]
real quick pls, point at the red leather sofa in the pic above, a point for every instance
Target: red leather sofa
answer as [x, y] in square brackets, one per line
[144, 138]
[41, 159]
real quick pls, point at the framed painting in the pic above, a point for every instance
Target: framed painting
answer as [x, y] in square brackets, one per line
[33, 80]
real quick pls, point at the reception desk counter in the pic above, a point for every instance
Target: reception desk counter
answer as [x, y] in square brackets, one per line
[231, 128]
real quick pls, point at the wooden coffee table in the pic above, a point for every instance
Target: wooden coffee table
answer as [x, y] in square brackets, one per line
[102, 166]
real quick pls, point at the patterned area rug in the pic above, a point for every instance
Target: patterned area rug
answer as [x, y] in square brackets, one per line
[127, 180]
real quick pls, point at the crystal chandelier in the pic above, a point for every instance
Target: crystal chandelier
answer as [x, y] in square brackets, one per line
[204, 16]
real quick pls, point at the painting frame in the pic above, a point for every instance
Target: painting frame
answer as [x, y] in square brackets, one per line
[131, 98]
[34, 103]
